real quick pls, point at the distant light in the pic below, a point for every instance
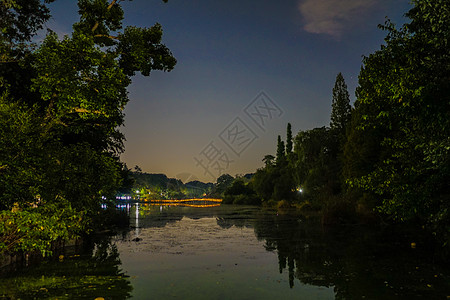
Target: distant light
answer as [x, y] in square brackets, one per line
[300, 190]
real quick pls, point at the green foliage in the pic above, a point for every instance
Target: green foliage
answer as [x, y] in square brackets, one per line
[142, 50]
[393, 149]
[86, 276]
[197, 189]
[20, 19]
[82, 175]
[240, 192]
[289, 140]
[127, 180]
[281, 152]
[156, 186]
[401, 121]
[19, 22]
[263, 182]
[283, 204]
[159, 186]
[275, 181]
[81, 85]
[35, 229]
[317, 166]
[222, 183]
[62, 102]
[21, 154]
[317, 159]
[268, 160]
[340, 107]
[149, 180]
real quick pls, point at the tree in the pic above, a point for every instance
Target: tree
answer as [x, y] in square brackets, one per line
[19, 22]
[339, 121]
[127, 181]
[268, 160]
[403, 104]
[241, 193]
[275, 181]
[340, 108]
[21, 155]
[62, 102]
[263, 182]
[281, 152]
[76, 88]
[222, 183]
[314, 163]
[20, 19]
[289, 140]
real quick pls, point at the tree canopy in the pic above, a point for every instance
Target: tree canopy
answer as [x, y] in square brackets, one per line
[62, 102]
[403, 106]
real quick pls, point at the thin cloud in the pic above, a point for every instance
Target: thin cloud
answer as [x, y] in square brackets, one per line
[332, 17]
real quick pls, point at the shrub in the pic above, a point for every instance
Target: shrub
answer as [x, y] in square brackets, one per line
[35, 229]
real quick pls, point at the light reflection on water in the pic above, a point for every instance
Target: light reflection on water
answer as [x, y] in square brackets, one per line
[237, 252]
[189, 254]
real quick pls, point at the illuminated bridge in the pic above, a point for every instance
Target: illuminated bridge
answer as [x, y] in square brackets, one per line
[197, 202]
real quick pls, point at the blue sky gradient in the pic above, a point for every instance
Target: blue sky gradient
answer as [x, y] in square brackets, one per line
[228, 52]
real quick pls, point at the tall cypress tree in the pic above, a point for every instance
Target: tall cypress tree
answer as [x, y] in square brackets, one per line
[289, 140]
[281, 154]
[340, 107]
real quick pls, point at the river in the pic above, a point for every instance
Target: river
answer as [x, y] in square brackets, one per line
[235, 252]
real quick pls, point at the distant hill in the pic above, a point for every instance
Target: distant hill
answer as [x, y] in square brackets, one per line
[146, 179]
[161, 186]
[199, 184]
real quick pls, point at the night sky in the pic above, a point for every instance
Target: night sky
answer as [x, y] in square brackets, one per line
[245, 69]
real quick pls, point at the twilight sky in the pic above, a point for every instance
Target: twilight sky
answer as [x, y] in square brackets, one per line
[245, 69]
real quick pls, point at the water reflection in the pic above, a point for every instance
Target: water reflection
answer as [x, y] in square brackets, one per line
[136, 216]
[229, 252]
[370, 263]
[148, 215]
[356, 262]
[94, 273]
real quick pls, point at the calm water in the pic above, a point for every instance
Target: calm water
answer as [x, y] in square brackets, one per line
[233, 252]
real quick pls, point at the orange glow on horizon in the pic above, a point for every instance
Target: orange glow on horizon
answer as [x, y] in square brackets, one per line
[186, 200]
[185, 205]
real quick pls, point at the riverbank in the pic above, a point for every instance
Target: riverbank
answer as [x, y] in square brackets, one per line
[33, 239]
[17, 260]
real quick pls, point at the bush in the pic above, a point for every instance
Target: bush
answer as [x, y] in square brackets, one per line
[283, 204]
[35, 229]
[240, 193]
